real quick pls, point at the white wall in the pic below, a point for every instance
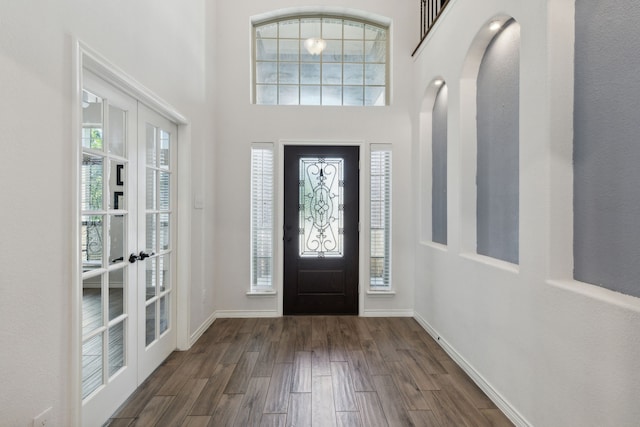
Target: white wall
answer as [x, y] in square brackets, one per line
[557, 351]
[239, 123]
[160, 43]
[553, 351]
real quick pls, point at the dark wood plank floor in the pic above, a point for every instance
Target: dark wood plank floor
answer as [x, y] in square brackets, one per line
[310, 371]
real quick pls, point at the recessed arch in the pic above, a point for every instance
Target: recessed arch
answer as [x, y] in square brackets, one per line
[486, 33]
[489, 138]
[433, 159]
[498, 146]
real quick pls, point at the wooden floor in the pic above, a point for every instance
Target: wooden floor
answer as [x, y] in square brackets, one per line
[310, 371]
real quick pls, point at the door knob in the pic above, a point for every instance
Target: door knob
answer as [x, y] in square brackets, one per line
[286, 236]
[144, 255]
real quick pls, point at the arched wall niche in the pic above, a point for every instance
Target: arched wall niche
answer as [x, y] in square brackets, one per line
[471, 120]
[431, 93]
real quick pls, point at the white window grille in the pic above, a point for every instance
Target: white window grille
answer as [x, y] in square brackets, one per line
[320, 60]
[262, 203]
[380, 218]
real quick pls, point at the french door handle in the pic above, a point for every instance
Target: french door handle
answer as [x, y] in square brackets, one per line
[142, 255]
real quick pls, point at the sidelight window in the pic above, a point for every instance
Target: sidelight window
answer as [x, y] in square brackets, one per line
[320, 60]
[262, 203]
[380, 218]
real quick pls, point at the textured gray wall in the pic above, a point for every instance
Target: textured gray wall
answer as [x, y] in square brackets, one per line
[607, 145]
[439, 167]
[498, 140]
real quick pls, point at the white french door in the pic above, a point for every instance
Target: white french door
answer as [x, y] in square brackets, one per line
[156, 222]
[127, 219]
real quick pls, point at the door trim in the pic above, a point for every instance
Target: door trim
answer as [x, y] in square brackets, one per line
[86, 58]
[279, 214]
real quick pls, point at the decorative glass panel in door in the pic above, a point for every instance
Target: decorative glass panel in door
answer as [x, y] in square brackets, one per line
[321, 207]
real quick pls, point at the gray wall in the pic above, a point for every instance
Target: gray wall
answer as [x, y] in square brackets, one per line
[607, 145]
[439, 167]
[498, 150]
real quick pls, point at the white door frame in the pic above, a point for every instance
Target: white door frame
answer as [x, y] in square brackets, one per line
[85, 58]
[363, 239]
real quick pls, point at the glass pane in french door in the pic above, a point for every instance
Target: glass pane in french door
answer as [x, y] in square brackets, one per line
[117, 295]
[116, 347]
[117, 236]
[91, 304]
[151, 277]
[92, 178]
[150, 325]
[117, 131]
[118, 319]
[92, 230]
[164, 313]
[92, 364]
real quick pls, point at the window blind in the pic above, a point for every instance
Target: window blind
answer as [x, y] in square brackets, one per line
[380, 218]
[262, 216]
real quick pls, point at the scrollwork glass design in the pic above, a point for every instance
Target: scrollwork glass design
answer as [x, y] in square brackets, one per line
[321, 206]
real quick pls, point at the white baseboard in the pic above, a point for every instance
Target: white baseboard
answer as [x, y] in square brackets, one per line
[495, 397]
[245, 314]
[202, 329]
[387, 313]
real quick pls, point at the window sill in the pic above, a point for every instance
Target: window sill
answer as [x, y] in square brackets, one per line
[381, 293]
[434, 245]
[492, 262]
[264, 293]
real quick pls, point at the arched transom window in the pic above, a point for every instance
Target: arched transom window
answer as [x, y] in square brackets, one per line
[320, 60]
